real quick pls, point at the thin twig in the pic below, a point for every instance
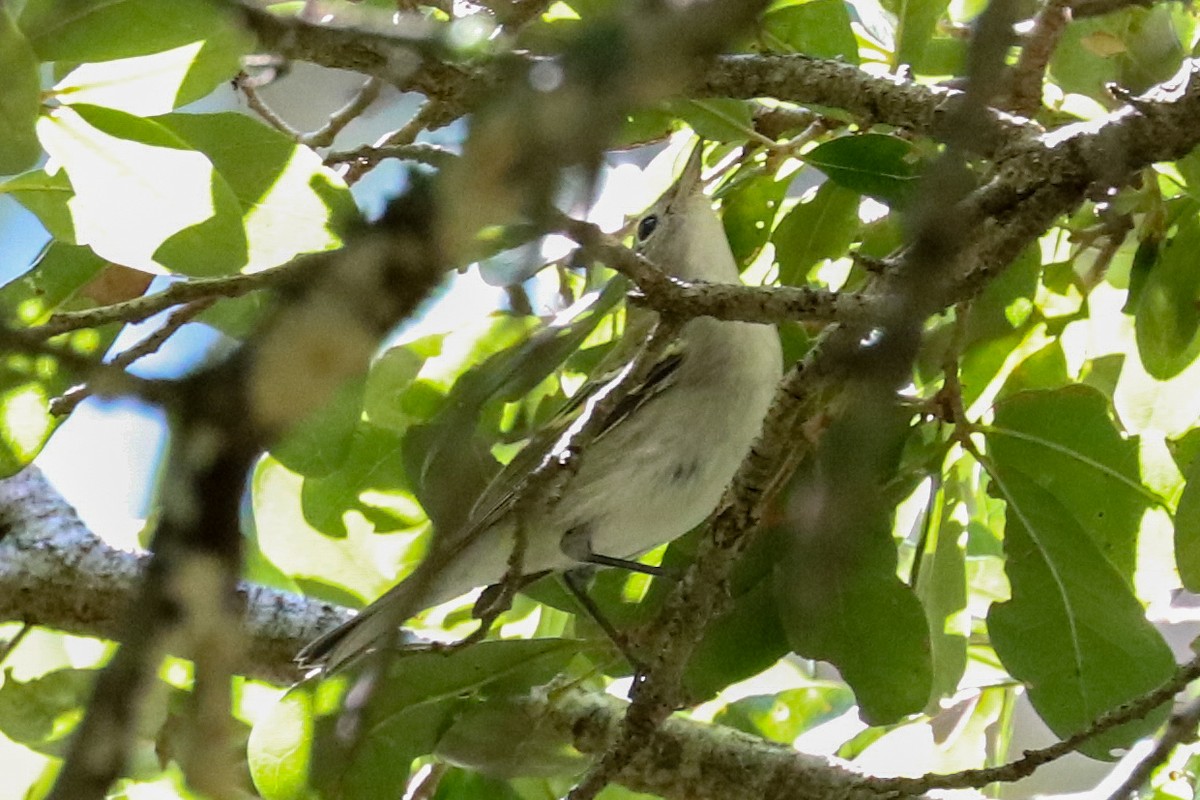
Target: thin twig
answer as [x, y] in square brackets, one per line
[64, 405]
[427, 116]
[142, 308]
[13, 643]
[368, 156]
[1181, 729]
[259, 106]
[363, 98]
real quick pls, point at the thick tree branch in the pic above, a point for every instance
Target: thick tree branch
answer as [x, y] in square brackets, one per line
[54, 572]
[792, 78]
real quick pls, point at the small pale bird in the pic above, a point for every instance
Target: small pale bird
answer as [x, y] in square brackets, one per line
[656, 470]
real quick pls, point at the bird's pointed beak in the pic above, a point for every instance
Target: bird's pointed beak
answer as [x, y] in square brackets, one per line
[689, 180]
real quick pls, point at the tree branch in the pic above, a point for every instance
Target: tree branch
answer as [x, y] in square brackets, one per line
[792, 78]
[55, 572]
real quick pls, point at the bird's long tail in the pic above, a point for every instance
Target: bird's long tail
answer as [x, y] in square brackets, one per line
[377, 625]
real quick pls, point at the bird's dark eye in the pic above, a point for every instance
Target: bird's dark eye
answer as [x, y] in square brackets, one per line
[646, 226]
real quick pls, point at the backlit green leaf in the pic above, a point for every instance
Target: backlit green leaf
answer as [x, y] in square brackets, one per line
[818, 228]
[290, 202]
[820, 28]
[159, 82]
[1065, 442]
[102, 30]
[748, 210]
[1168, 320]
[1073, 632]
[280, 748]
[143, 197]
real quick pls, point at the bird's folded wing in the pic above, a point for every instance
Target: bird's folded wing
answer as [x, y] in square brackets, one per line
[497, 499]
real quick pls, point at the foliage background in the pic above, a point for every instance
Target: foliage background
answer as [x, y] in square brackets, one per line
[1042, 555]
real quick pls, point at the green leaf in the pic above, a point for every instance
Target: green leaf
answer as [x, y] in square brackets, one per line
[320, 444]
[1168, 320]
[818, 228]
[290, 202]
[28, 383]
[879, 166]
[1145, 403]
[451, 465]
[942, 589]
[1073, 632]
[20, 98]
[737, 645]
[419, 700]
[644, 126]
[1144, 259]
[721, 120]
[505, 738]
[462, 784]
[748, 209]
[1007, 302]
[279, 751]
[48, 198]
[102, 30]
[350, 563]
[159, 82]
[1133, 47]
[371, 459]
[916, 21]
[380, 765]
[1045, 369]
[42, 712]
[1065, 442]
[60, 272]
[390, 378]
[784, 716]
[1187, 529]
[143, 197]
[820, 29]
[835, 581]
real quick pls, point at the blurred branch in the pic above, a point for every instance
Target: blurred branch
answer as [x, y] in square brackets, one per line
[56, 573]
[322, 332]
[1025, 87]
